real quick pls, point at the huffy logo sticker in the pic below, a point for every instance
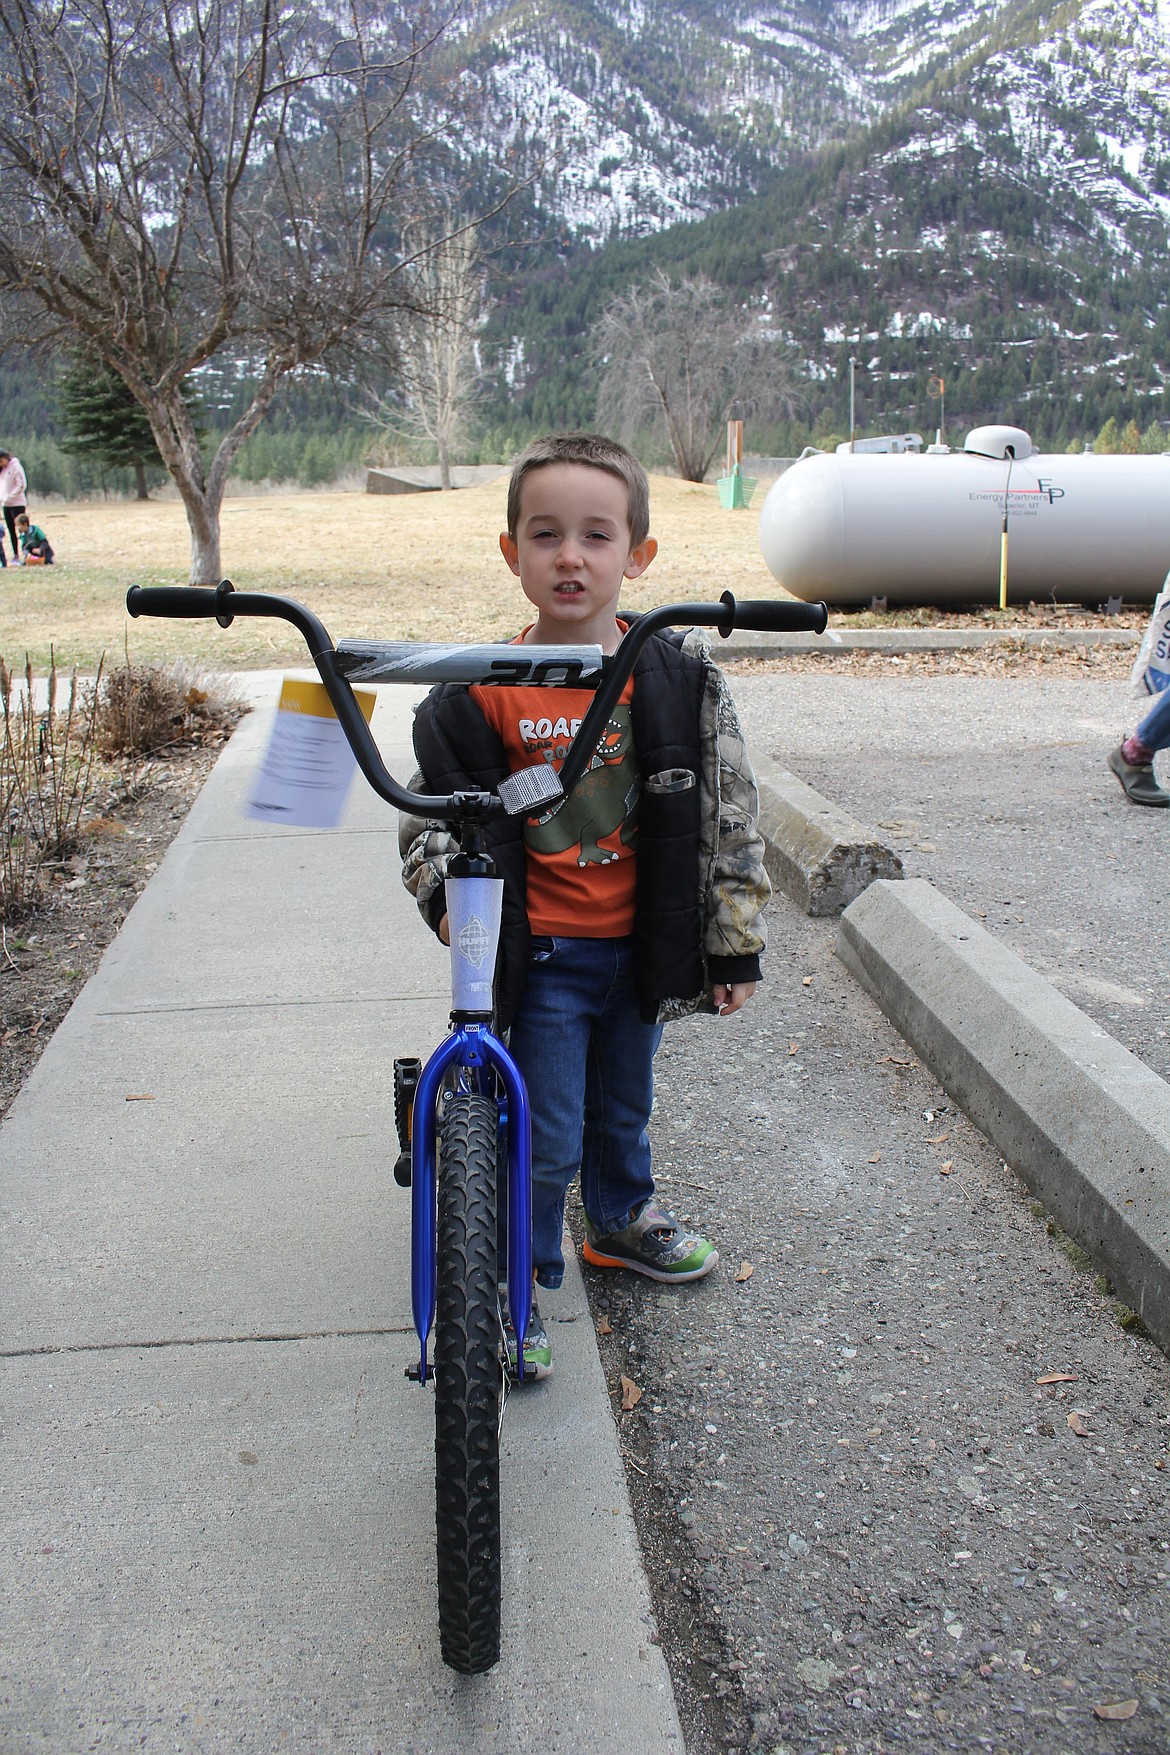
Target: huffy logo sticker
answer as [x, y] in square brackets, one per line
[475, 942]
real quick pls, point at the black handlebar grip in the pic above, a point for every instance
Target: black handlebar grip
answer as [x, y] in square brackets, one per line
[172, 600]
[776, 615]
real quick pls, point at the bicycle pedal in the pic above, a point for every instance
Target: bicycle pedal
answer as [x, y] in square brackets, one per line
[407, 1071]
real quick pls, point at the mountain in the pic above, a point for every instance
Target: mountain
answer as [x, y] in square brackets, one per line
[977, 191]
[971, 191]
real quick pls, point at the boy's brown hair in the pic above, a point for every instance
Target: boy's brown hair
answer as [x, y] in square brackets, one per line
[597, 452]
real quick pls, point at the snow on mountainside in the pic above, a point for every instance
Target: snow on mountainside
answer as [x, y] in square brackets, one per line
[973, 188]
[1081, 118]
[670, 109]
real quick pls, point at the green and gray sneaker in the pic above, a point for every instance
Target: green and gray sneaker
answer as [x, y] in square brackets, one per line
[538, 1362]
[653, 1244]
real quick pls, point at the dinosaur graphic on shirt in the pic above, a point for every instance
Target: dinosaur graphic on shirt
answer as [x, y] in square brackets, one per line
[604, 799]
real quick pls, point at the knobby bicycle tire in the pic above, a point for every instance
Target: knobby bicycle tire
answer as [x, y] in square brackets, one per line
[467, 1389]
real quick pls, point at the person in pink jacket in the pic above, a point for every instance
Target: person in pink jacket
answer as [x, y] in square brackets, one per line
[13, 496]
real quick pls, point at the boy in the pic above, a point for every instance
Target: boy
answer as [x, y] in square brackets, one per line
[35, 548]
[636, 900]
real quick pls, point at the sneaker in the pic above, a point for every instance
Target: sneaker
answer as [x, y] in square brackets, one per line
[538, 1362]
[1137, 781]
[654, 1244]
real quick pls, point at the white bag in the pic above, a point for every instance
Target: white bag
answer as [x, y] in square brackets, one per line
[1151, 670]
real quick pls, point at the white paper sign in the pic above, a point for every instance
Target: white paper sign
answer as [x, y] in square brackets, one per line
[308, 767]
[1151, 670]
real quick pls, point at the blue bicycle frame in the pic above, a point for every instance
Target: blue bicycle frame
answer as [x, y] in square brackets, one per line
[475, 1049]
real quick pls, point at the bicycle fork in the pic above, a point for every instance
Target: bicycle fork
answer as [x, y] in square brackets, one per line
[474, 897]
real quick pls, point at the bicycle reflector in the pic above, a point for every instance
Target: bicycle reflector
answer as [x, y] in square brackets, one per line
[530, 788]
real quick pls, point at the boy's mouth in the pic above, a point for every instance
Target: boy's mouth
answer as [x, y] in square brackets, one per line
[569, 588]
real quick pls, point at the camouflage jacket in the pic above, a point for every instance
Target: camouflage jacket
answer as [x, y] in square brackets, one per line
[731, 884]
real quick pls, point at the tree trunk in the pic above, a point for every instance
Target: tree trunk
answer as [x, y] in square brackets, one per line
[203, 524]
[444, 464]
[140, 479]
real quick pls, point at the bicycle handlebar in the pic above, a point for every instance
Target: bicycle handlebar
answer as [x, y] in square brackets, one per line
[173, 600]
[520, 793]
[775, 615]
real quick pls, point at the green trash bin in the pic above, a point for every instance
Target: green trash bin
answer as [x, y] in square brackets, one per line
[735, 489]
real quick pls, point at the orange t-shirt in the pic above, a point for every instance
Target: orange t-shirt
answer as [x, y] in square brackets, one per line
[581, 850]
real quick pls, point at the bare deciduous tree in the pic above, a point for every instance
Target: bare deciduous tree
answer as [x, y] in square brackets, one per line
[438, 379]
[685, 355]
[232, 177]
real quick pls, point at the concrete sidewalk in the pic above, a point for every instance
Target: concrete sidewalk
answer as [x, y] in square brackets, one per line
[219, 1506]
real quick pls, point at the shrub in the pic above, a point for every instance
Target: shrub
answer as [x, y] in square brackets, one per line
[142, 709]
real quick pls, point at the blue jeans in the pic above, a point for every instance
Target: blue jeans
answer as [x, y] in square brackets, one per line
[1154, 730]
[588, 1062]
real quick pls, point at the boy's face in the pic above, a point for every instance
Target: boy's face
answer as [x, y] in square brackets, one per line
[572, 551]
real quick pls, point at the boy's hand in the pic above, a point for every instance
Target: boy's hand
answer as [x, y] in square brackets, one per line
[445, 930]
[733, 998]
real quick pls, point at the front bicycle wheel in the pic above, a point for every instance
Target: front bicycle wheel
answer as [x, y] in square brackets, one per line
[467, 1388]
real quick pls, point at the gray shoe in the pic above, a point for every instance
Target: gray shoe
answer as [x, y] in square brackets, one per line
[1137, 780]
[654, 1244]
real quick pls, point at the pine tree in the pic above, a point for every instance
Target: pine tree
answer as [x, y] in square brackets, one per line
[103, 421]
[1108, 439]
[1131, 439]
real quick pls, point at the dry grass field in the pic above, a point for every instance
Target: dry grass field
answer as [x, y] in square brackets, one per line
[414, 566]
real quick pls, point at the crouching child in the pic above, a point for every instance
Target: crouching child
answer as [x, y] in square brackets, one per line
[35, 547]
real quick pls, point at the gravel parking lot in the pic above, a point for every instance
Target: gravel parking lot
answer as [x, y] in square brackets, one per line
[996, 790]
[900, 1468]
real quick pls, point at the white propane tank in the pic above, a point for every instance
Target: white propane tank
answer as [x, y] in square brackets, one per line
[927, 529]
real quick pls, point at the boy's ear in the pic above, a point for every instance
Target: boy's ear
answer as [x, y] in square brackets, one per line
[640, 558]
[510, 552]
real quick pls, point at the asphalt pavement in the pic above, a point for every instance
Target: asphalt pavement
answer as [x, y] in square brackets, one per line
[905, 1459]
[995, 789]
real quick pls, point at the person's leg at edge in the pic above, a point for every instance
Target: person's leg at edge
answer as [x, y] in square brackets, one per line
[1153, 734]
[1132, 761]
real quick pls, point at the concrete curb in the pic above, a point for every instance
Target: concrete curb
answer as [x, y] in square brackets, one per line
[816, 853]
[911, 640]
[1083, 1121]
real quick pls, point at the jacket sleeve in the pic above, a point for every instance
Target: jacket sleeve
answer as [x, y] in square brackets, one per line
[738, 888]
[426, 848]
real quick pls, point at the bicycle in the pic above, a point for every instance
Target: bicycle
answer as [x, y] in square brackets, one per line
[456, 1114]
